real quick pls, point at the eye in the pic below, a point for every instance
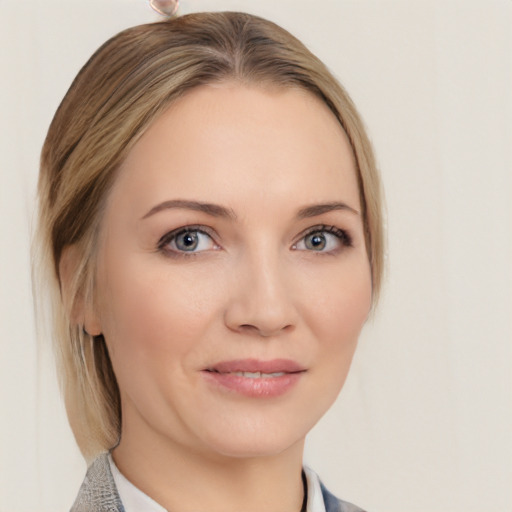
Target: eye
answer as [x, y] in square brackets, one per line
[323, 239]
[187, 240]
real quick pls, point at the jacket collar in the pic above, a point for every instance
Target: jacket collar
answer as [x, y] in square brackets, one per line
[98, 492]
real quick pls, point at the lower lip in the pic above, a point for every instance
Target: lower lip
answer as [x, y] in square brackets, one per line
[254, 387]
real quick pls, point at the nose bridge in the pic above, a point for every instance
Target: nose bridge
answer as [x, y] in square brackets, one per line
[262, 300]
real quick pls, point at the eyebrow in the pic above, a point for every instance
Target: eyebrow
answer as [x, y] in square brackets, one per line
[319, 209]
[216, 210]
[210, 209]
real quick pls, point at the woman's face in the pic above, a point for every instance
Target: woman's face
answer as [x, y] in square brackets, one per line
[233, 279]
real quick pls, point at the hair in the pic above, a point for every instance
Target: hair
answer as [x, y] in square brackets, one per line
[127, 83]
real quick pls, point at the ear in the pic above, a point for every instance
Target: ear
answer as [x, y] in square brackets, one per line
[81, 308]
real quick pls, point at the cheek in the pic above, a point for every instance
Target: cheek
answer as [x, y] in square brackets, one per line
[153, 313]
[334, 314]
[338, 312]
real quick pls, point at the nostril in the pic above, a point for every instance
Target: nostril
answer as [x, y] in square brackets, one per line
[264, 332]
[249, 328]
[261, 313]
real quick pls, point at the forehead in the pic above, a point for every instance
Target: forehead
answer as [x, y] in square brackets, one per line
[230, 143]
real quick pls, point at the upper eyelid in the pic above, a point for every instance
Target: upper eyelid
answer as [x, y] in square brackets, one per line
[346, 237]
[201, 228]
[165, 239]
[328, 228]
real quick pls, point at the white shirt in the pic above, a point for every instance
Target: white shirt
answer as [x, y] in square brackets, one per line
[134, 500]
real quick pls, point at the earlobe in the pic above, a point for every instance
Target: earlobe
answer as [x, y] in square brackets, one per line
[80, 308]
[91, 323]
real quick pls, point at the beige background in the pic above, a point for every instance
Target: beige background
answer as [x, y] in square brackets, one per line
[425, 421]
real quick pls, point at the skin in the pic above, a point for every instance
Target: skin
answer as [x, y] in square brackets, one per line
[255, 287]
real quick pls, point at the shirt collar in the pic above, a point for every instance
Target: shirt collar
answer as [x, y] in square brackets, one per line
[134, 500]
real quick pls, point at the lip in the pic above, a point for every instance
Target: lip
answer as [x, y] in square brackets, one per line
[280, 376]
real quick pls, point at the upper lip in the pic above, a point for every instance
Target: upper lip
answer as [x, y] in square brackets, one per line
[256, 365]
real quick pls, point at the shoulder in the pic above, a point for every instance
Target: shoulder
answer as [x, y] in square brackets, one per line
[333, 504]
[320, 499]
[98, 492]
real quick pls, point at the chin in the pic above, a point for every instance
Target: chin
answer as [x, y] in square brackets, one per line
[255, 448]
[254, 441]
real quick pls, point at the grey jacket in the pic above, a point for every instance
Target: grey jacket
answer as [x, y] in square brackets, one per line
[98, 492]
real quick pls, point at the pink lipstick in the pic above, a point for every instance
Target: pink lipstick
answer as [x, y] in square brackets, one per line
[255, 378]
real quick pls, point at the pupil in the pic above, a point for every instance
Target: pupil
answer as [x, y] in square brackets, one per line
[188, 241]
[317, 242]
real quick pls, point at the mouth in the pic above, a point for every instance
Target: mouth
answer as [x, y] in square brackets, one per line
[254, 368]
[252, 375]
[255, 378]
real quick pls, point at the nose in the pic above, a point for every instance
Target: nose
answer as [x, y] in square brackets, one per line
[261, 301]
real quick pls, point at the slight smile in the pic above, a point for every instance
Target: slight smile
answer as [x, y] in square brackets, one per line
[255, 378]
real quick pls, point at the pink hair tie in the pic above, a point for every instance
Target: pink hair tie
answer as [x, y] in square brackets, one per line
[167, 8]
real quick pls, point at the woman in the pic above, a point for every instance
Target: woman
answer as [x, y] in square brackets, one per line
[210, 216]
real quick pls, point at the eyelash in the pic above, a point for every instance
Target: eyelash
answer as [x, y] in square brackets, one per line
[172, 235]
[343, 236]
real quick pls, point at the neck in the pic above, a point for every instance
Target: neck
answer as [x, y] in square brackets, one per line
[189, 481]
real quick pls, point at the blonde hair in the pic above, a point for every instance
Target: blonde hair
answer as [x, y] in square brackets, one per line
[124, 86]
